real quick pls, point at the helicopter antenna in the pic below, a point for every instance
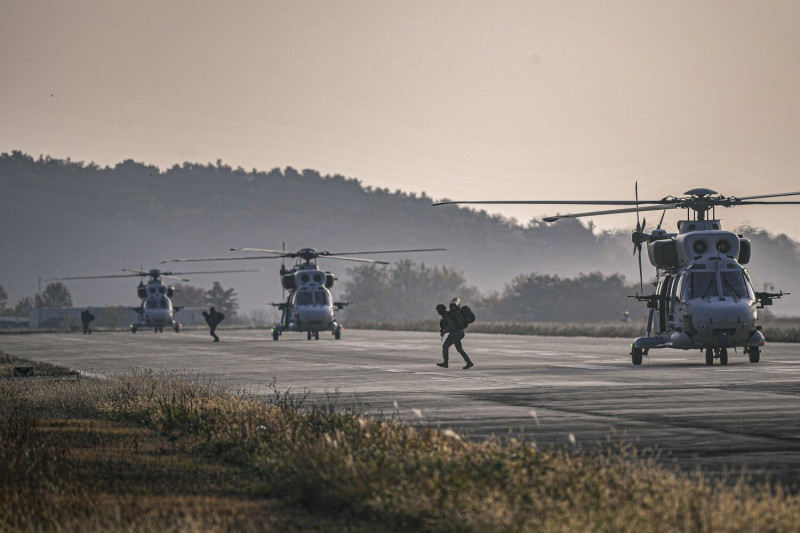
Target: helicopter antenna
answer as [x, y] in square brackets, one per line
[283, 267]
[664, 212]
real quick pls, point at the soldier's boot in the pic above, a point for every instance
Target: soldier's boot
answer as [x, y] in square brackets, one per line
[469, 364]
[443, 364]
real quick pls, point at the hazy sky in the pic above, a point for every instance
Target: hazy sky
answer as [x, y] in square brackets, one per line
[461, 99]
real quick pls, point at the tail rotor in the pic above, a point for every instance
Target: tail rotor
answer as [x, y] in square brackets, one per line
[638, 236]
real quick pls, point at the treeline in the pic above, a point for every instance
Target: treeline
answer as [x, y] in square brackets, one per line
[407, 291]
[75, 218]
[57, 295]
[60, 217]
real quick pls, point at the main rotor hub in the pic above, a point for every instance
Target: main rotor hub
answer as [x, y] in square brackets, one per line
[701, 192]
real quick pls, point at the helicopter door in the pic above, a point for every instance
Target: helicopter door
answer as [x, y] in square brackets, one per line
[664, 290]
[676, 303]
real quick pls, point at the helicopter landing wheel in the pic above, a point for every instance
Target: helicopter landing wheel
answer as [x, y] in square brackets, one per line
[337, 335]
[709, 356]
[308, 336]
[636, 356]
[275, 335]
[723, 356]
[316, 335]
[133, 329]
[754, 353]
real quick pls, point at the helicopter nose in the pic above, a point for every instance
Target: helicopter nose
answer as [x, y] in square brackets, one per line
[158, 315]
[724, 322]
[315, 315]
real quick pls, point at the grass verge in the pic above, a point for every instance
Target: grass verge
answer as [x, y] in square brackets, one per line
[158, 451]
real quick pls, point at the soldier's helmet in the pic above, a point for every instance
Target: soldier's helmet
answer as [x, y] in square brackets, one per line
[441, 308]
[455, 302]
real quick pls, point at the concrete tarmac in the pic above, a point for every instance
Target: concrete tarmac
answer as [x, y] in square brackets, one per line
[555, 391]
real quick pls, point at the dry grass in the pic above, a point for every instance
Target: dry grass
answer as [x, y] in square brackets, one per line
[162, 452]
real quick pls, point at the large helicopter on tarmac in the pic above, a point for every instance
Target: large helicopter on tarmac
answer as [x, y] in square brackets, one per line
[156, 309]
[309, 306]
[704, 298]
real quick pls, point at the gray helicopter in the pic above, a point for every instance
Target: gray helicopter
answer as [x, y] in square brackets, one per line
[309, 306]
[704, 298]
[156, 309]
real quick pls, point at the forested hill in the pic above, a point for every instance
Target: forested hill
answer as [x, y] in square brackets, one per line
[64, 218]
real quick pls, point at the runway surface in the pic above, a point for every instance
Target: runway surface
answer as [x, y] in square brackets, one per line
[550, 390]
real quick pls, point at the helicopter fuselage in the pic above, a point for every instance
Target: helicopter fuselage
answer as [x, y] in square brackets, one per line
[309, 306]
[704, 298]
[156, 310]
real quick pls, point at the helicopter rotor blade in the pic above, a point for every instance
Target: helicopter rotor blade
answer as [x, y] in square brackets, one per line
[260, 250]
[548, 202]
[639, 247]
[170, 276]
[213, 272]
[221, 259]
[136, 272]
[662, 219]
[608, 212]
[357, 259]
[641, 281]
[769, 195]
[637, 241]
[748, 202]
[331, 254]
[95, 277]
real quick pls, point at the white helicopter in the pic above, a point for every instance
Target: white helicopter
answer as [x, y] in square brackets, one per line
[704, 298]
[309, 306]
[156, 309]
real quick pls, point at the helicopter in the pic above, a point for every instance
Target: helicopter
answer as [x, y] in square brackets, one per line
[704, 298]
[309, 306]
[156, 309]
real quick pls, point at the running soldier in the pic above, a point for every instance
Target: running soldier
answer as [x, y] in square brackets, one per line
[453, 323]
[213, 318]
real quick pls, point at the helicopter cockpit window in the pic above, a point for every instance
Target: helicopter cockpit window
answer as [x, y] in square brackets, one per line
[320, 298]
[701, 285]
[734, 284]
[304, 298]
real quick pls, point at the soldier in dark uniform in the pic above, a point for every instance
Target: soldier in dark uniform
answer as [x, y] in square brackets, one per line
[86, 318]
[452, 323]
[213, 318]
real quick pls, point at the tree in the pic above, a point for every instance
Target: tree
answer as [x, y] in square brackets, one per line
[23, 306]
[54, 295]
[189, 296]
[405, 292]
[222, 300]
[366, 289]
[548, 298]
[3, 297]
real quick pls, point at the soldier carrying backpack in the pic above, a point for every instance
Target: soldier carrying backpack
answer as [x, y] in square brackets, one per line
[453, 322]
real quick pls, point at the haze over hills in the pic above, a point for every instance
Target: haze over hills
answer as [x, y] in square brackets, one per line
[63, 218]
